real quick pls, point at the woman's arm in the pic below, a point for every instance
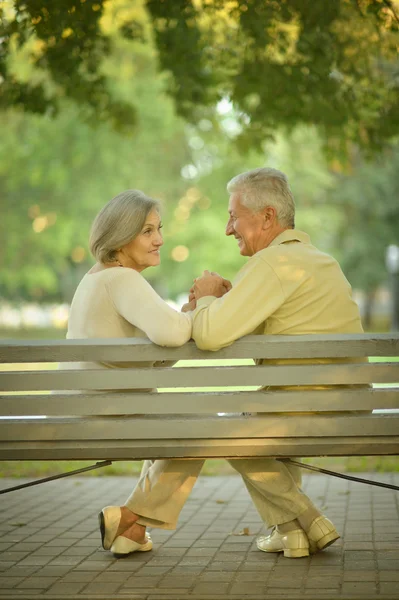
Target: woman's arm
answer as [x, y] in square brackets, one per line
[138, 303]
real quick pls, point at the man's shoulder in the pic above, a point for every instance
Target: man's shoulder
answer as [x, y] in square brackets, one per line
[272, 253]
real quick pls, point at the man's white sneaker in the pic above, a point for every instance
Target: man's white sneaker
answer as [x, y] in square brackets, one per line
[321, 534]
[294, 544]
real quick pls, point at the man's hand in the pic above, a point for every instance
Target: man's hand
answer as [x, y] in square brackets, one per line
[209, 284]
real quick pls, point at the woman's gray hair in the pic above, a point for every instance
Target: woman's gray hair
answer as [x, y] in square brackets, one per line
[118, 223]
[265, 187]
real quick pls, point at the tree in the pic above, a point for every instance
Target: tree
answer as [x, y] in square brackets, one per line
[55, 174]
[333, 64]
[367, 200]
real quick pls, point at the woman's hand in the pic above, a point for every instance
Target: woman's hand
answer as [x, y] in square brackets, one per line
[210, 284]
[191, 305]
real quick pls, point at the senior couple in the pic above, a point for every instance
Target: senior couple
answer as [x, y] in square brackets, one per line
[287, 287]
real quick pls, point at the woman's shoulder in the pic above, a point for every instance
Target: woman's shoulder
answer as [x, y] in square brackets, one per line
[112, 273]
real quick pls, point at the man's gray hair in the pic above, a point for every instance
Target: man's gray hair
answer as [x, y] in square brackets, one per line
[263, 187]
[119, 222]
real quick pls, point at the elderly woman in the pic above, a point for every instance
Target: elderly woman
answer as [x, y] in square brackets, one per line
[114, 300]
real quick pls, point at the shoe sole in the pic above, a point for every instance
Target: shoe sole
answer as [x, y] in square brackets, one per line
[323, 542]
[101, 523]
[289, 552]
[299, 553]
[105, 541]
[144, 548]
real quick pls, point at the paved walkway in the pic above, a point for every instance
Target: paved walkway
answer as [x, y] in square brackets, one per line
[50, 545]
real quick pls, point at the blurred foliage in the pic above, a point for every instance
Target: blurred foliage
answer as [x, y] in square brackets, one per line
[285, 63]
[162, 58]
[368, 200]
[55, 174]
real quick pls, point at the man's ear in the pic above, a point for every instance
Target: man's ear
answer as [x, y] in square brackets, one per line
[269, 216]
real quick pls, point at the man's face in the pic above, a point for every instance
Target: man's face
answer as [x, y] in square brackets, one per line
[246, 226]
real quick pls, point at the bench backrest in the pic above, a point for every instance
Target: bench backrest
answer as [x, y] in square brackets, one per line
[199, 410]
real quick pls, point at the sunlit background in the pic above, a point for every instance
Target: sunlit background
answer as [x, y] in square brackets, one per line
[197, 96]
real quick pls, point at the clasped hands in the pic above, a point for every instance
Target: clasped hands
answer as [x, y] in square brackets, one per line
[208, 284]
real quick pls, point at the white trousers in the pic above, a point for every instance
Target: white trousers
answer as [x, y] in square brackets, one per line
[165, 485]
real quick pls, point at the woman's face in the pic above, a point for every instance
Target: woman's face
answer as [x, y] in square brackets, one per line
[143, 251]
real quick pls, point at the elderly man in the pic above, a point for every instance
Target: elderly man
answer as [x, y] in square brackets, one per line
[287, 287]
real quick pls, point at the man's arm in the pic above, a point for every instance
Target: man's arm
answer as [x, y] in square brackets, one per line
[255, 295]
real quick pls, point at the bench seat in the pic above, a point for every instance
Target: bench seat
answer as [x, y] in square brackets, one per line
[205, 407]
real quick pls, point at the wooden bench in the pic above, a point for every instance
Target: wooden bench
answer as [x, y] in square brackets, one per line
[187, 422]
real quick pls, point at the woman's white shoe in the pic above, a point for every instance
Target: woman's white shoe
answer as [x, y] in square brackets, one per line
[109, 519]
[122, 546]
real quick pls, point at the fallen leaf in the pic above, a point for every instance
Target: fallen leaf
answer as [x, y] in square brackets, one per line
[221, 501]
[244, 531]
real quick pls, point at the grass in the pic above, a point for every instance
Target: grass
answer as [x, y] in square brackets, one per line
[22, 469]
[31, 469]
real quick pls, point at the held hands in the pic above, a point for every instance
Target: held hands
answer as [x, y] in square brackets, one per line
[209, 284]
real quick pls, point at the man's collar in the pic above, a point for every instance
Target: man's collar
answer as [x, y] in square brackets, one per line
[291, 235]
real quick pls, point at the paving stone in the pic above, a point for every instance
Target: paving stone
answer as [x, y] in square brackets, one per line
[388, 565]
[10, 582]
[92, 565]
[357, 565]
[183, 570]
[285, 582]
[389, 587]
[150, 571]
[38, 582]
[60, 552]
[20, 571]
[202, 552]
[218, 576]
[125, 566]
[389, 576]
[322, 583]
[163, 561]
[255, 566]
[65, 589]
[358, 587]
[223, 566]
[359, 576]
[35, 560]
[82, 576]
[174, 581]
[211, 588]
[102, 588]
[142, 582]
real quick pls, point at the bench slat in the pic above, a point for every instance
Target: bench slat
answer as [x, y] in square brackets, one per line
[323, 374]
[104, 429]
[216, 448]
[109, 350]
[199, 403]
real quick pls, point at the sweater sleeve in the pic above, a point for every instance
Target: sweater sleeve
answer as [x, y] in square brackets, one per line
[137, 302]
[255, 295]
